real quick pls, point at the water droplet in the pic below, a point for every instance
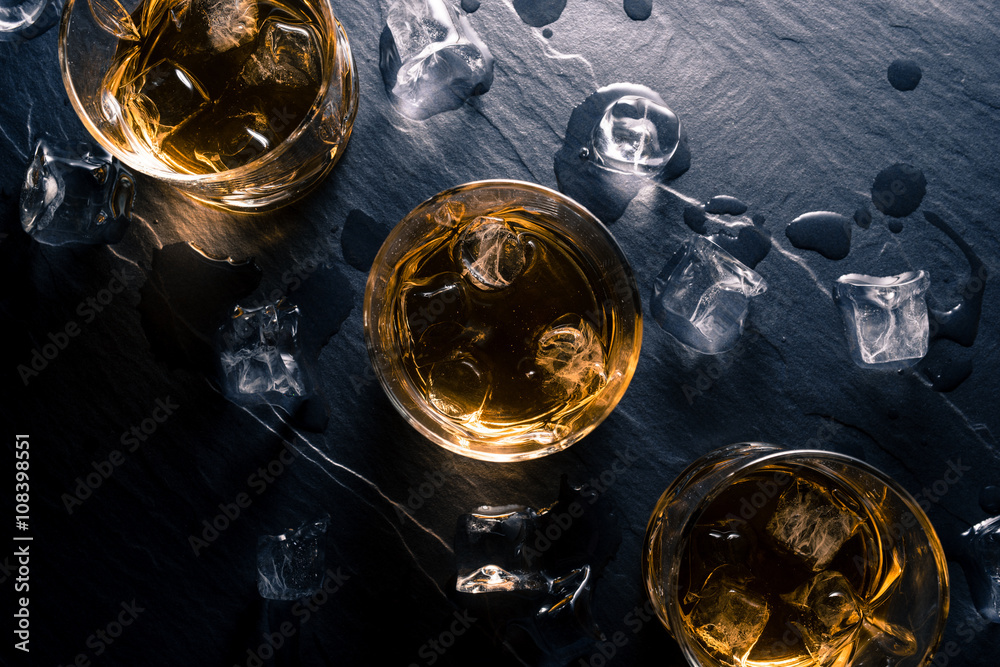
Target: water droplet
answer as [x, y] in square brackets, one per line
[904, 74]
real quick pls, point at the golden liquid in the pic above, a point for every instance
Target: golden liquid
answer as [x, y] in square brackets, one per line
[503, 357]
[213, 84]
[779, 608]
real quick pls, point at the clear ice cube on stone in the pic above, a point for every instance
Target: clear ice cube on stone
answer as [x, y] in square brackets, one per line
[431, 59]
[728, 618]
[636, 135]
[490, 550]
[885, 318]
[285, 54]
[811, 524]
[75, 194]
[491, 253]
[291, 566]
[21, 20]
[981, 563]
[701, 296]
[564, 627]
[261, 360]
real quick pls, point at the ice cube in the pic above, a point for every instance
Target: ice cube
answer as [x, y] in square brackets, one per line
[162, 98]
[21, 20]
[885, 318]
[290, 566]
[701, 296]
[489, 548]
[436, 300]
[636, 135]
[431, 59]
[811, 524]
[285, 54]
[571, 358]
[75, 194]
[881, 642]
[830, 615]
[260, 357]
[727, 617]
[981, 563]
[830, 599]
[227, 23]
[729, 541]
[564, 627]
[459, 386]
[492, 253]
[236, 140]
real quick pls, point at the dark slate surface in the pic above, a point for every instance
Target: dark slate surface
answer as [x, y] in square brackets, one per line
[787, 107]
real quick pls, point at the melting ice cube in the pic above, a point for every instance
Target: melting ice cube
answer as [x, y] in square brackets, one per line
[636, 135]
[26, 19]
[885, 318]
[981, 562]
[571, 358]
[431, 59]
[563, 627]
[489, 548]
[291, 565]
[261, 360]
[728, 618]
[285, 54]
[75, 193]
[812, 524]
[701, 296]
[492, 253]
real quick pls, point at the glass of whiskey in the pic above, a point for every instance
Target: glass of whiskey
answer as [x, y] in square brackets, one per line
[503, 320]
[241, 104]
[758, 556]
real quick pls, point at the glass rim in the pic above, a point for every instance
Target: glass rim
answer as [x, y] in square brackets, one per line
[480, 448]
[777, 454]
[340, 40]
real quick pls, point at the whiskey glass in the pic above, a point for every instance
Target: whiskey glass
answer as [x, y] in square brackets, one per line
[266, 169]
[759, 556]
[503, 320]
